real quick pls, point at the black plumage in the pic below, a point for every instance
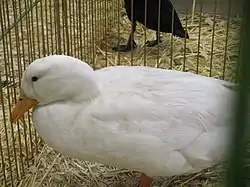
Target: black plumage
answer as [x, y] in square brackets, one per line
[166, 14]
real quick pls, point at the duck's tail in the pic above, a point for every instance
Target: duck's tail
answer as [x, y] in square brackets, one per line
[229, 85]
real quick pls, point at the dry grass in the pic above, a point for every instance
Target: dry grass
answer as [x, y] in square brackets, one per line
[44, 167]
[220, 65]
[52, 169]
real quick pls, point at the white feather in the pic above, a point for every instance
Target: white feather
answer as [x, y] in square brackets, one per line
[156, 121]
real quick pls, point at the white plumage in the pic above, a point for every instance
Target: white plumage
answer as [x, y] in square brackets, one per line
[159, 122]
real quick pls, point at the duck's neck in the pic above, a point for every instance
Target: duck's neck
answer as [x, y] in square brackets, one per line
[88, 94]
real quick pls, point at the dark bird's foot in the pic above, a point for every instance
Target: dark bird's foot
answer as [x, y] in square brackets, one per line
[124, 48]
[153, 43]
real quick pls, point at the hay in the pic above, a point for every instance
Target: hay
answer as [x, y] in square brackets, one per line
[44, 167]
[52, 169]
[163, 60]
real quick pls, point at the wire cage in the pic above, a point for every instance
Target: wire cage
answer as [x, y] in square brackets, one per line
[88, 30]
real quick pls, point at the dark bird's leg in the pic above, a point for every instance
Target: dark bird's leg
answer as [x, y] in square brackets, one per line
[154, 42]
[128, 47]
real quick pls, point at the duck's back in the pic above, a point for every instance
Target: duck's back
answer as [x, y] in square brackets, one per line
[179, 122]
[168, 88]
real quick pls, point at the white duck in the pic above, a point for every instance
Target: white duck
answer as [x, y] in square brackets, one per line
[159, 122]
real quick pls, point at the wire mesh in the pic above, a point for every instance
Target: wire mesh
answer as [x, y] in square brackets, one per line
[88, 30]
[29, 30]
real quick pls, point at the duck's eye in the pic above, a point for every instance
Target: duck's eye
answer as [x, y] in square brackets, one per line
[34, 79]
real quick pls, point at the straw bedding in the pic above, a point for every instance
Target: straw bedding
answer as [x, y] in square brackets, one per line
[211, 57]
[47, 168]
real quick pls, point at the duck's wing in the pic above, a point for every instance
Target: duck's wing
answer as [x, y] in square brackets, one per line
[166, 94]
[179, 120]
[162, 102]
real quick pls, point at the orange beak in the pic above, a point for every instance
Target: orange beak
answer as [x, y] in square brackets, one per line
[22, 106]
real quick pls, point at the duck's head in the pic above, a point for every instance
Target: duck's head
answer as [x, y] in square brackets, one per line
[55, 78]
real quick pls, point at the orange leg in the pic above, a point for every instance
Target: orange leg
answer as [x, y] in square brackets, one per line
[145, 181]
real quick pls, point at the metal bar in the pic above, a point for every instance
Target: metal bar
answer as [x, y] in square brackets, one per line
[66, 26]
[105, 32]
[212, 46]
[158, 35]
[87, 31]
[93, 36]
[172, 41]
[77, 31]
[79, 5]
[236, 171]
[42, 28]
[145, 33]
[70, 28]
[185, 43]
[47, 26]
[132, 33]
[57, 26]
[62, 27]
[199, 38]
[85, 48]
[52, 40]
[37, 30]
[31, 20]
[1, 146]
[226, 42]
[119, 32]
[74, 25]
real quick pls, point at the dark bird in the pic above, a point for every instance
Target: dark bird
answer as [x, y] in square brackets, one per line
[152, 14]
